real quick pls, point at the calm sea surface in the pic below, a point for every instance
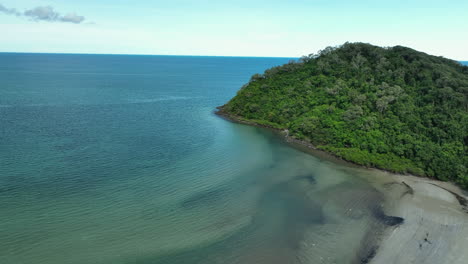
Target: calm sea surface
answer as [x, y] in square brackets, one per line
[119, 159]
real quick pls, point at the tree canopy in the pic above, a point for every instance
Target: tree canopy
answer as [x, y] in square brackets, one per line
[392, 108]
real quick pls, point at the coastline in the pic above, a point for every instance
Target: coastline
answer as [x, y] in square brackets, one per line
[305, 146]
[435, 229]
[310, 148]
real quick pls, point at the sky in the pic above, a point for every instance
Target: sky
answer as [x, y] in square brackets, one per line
[260, 28]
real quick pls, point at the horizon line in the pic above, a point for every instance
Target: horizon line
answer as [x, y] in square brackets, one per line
[140, 54]
[170, 55]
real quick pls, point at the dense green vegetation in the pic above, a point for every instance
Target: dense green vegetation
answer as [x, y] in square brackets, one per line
[392, 108]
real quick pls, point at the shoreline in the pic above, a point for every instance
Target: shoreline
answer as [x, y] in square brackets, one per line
[303, 145]
[311, 149]
[435, 228]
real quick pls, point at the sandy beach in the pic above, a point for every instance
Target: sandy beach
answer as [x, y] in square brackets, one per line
[435, 229]
[435, 213]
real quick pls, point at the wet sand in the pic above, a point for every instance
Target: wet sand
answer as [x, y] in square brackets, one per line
[436, 222]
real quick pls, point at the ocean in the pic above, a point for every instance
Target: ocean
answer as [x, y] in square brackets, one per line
[121, 159]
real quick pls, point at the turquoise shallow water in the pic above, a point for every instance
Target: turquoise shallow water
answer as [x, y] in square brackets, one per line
[120, 159]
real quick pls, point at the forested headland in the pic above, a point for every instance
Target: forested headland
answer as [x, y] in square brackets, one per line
[392, 108]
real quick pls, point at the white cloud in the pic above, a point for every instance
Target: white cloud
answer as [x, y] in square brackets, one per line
[44, 13]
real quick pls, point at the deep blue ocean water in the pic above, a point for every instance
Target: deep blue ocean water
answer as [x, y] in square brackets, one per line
[120, 159]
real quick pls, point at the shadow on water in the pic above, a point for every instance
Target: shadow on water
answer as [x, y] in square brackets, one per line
[203, 198]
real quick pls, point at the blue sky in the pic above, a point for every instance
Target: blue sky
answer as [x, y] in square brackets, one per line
[232, 28]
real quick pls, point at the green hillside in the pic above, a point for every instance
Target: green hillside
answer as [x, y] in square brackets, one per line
[392, 108]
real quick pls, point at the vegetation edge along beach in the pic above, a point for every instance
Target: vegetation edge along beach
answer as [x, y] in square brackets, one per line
[392, 108]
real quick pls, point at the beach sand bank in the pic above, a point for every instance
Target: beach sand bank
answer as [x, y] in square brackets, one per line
[435, 229]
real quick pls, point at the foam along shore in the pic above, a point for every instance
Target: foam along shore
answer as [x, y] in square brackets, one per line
[435, 229]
